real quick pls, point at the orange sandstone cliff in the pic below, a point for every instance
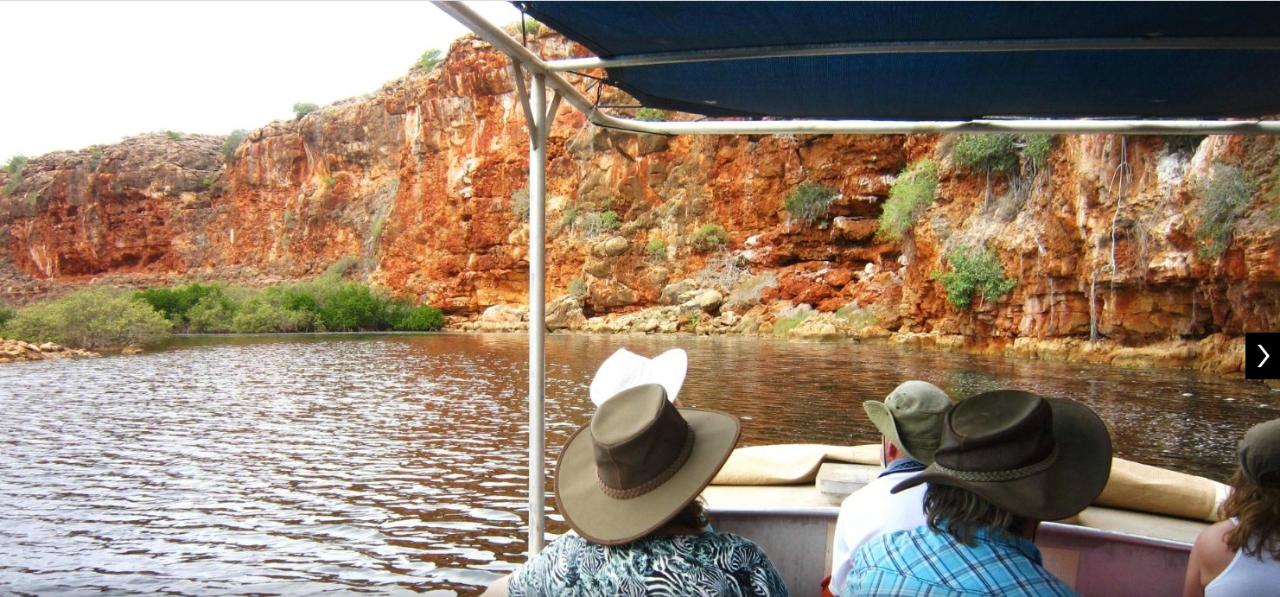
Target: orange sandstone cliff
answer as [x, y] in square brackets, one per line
[423, 183]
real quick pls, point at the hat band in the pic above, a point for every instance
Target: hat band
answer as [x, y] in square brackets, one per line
[630, 492]
[1008, 475]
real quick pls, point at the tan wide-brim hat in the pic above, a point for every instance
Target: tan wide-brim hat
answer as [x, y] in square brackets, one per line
[585, 501]
[1055, 489]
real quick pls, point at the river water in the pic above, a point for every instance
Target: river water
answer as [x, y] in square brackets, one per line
[386, 464]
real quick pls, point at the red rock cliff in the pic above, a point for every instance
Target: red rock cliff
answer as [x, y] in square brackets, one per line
[422, 182]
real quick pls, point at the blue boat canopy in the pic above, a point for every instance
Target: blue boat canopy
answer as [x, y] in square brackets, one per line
[933, 60]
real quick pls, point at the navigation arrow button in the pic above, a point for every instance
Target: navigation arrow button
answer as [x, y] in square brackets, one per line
[1257, 356]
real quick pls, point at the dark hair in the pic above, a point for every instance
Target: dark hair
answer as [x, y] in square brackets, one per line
[1257, 509]
[693, 516]
[961, 513]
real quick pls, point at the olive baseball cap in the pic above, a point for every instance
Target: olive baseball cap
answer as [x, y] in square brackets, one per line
[911, 416]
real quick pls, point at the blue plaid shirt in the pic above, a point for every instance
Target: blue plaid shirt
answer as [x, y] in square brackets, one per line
[922, 563]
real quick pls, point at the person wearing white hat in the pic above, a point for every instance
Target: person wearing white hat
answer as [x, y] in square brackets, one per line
[627, 484]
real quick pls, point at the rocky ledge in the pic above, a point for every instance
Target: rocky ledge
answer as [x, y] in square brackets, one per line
[17, 350]
[690, 308]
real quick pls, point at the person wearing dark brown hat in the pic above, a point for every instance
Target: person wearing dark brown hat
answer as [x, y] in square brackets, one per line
[628, 484]
[1008, 460]
[1241, 554]
[910, 423]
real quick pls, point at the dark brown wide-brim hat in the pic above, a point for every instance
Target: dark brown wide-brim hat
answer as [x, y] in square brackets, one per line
[1039, 458]
[638, 463]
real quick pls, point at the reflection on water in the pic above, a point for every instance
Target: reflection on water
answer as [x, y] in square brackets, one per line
[396, 463]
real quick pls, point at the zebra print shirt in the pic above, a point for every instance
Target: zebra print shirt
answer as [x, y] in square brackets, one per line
[706, 564]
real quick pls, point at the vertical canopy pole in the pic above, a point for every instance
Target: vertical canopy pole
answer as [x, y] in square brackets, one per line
[537, 108]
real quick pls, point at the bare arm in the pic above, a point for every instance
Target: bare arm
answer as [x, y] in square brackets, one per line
[1209, 557]
[1191, 585]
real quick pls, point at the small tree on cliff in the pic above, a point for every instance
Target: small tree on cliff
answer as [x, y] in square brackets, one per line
[14, 169]
[429, 59]
[302, 109]
[232, 143]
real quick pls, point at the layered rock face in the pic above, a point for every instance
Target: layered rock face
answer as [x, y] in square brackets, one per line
[423, 182]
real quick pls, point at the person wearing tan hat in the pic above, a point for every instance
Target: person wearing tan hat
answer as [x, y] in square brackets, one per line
[910, 424]
[627, 484]
[1007, 460]
[1241, 554]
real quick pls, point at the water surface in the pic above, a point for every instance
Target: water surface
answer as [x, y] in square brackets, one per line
[387, 464]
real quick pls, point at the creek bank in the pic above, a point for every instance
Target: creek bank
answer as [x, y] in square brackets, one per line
[1220, 354]
[12, 351]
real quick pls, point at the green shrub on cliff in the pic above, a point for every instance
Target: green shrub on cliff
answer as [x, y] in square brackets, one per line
[656, 250]
[14, 168]
[1035, 151]
[5, 315]
[596, 223]
[809, 201]
[429, 59]
[986, 152]
[569, 217]
[232, 142]
[1224, 195]
[93, 318]
[1005, 153]
[974, 270]
[911, 194]
[708, 237]
[303, 108]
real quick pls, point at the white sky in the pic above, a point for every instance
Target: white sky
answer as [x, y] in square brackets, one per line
[75, 74]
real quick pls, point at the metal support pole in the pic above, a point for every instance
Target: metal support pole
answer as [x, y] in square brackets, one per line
[537, 307]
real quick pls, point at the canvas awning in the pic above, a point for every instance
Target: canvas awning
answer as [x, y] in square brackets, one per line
[933, 60]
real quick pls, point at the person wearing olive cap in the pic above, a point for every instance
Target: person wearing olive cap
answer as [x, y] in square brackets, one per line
[1241, 554]
[1008, 460]
[910, 424]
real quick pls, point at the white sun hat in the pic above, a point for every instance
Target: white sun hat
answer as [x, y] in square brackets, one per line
[625, 369]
